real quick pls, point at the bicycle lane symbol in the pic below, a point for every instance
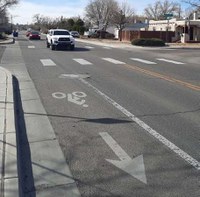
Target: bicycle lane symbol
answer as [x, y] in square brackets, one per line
[75, 97]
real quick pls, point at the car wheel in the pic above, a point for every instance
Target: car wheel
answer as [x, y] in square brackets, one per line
[53, 47]
[72, 47]
[48, 45]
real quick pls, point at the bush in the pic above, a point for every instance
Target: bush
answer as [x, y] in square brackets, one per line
[148, 42]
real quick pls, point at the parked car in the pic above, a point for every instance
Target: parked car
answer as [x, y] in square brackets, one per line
[34, 35]
[75, 34]
[101, 34]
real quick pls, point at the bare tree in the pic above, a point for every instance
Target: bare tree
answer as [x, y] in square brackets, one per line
[7, 3]
[123, 15]
[3, 17]
[193, 3]
[158, 10]
[100, 12]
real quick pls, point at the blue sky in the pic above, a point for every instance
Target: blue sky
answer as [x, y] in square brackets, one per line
[23, 12]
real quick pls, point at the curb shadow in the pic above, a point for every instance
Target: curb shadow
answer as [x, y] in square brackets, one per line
[24, 164]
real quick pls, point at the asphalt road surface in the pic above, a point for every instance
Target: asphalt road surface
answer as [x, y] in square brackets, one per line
[127, 120]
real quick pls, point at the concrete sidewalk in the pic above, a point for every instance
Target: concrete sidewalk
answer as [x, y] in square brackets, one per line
[34, 166]
[128, 45]
[8, 148]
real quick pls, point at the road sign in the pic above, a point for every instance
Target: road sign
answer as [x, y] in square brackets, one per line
[169, 15]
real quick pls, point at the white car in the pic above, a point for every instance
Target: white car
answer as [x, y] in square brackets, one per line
[60, 38]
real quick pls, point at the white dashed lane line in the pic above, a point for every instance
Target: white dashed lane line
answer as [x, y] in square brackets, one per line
[31, 47]
[106, 47]
[89, 47]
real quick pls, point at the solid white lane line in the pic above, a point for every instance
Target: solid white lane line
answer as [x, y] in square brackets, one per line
[189, 159]
[82, 62]
[170, 61]
[113, 61]
[31, 47]
[142, 60]
[47, 62]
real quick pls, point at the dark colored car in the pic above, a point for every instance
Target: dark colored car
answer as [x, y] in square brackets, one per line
[101, 34]
[34, 35]
[75, 34]
[15, 34]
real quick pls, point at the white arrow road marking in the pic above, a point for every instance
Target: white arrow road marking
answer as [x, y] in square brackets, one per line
[170, 61]
[47, 62]
[134, 167]
[82, 62]
[143, 61]
[189, 159]
[113, 61]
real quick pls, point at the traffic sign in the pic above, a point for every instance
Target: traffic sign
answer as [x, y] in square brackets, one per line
[169, 15]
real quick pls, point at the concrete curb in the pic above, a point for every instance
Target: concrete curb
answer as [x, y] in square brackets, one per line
[8, 157]
[9, 41]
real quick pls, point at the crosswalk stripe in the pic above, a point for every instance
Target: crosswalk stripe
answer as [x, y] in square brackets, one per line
[47, 62]
[170, 61]
[142, 60]
[113, 61]
[31, 47]
[82, 62]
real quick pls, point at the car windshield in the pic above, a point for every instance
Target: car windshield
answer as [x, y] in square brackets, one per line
[35, 32]
[61, 33]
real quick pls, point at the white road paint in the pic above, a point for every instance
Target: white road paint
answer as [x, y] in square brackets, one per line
[82, 62]
[89, 47]
[74, 76]
[134, 167]
[170, 61]
[189, 159]
[59, 95]
[47, 62]
[31, 47]
[113, 61]
[75, 97]
[106, 47]
[142, 60]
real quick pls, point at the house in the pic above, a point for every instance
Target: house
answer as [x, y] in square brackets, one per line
[171, 30]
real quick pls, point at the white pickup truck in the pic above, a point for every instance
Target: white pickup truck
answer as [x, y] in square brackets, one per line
[60, 38]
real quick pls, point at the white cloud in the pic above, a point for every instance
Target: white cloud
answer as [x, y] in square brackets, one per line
[23, 12]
